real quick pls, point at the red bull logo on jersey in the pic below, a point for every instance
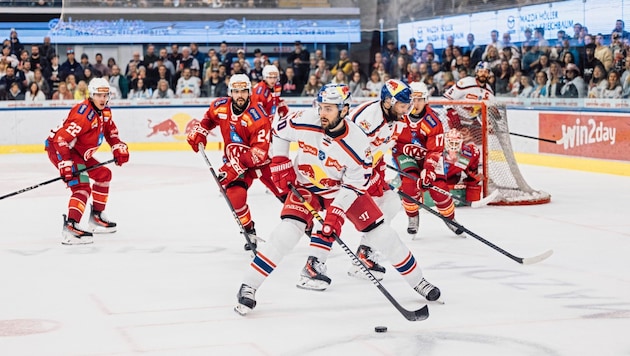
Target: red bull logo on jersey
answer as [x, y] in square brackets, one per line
[306, 170]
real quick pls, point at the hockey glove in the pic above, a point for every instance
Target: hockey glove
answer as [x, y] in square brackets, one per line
[428, 176]
[282, 173]
[121, 154]
[196, 136]
[65, 170]
[332, 224]
[283, 109]
[228, 173]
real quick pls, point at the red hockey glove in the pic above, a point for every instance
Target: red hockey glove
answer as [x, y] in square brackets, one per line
[228, 173]
[282, 173]
[332, 224]
[65, 170]
[283, 109]
[121, 154]
[196, 136]
[428, 176]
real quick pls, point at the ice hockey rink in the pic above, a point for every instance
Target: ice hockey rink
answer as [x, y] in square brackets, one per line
[166, 282]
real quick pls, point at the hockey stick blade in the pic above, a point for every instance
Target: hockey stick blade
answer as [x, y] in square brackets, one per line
[415, 315]
[536, 259]
[485, 201]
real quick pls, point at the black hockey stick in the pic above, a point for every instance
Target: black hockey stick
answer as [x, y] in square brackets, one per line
[521, 260]
[475, 204]
[56, 179]
[534, 138]
[420, 314]
[227, 200]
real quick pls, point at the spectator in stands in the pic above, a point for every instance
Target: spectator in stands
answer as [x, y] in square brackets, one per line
[618, 52]
[625, 78]
[340, 78]
[186, 60]
[473, 51]
[150, 57]
[256, 73]
[240, 57]
[110, 63]
[620, 29]
[99, 68]
[322, 72]
[577, 29]
[373, 86]
[133, 65]
[298, 60]
[494, 42]
[28, 73]
[598, 82]
[16, 46]
[541, 42]
[222, 88]
[9, 58]
[414, 51]
[555, 81]
[160, 73]
[42, 83]
[402, 51]
[63, 93]
[447, 59]
[400, 70]
[530, 59]
[527, 40]
[15, 93]
[212, 63]
[12, 76]
[211, 83]
[71, 83]
[140, 91]
[507, 43]
[436, 69]
[46, 50]
[163, 57]
[36, 60]
[119, 81]
[492, 57]
[88, 75]
[70, 66]
[568, 55]
[34, 94]
[603, 52]
[613, 88]
[163, 91]
[52, 73]
[174, 57]
[502, 79]
[575, 86]
[590, 61]
[540, 86]
[187, 85]
[291, 85]
[85, 63]
[389, 57]
[356, 85]
[312, 86]
[224, 56]
[515, 84]
[81, 93]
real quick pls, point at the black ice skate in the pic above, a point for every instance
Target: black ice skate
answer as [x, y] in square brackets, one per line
[99, 223]
[72, 234]
[368, 257]
[414, 222]
[313, 275]
[251, 232]
[246, 298]
[456, 230]
[428, 290]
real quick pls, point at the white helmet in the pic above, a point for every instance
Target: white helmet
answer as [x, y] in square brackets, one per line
[269, 69]
[334, 94]
[419, 90]
[98, 85]
[453, 140]
[239, 82]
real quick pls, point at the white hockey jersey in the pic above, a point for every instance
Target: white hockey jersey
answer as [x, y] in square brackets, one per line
[324, 165]
[382, 134]
[469, 89]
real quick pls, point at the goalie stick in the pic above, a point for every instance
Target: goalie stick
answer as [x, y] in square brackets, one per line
[475, 204]
[56, 179]
[533, 138]
[521, 260]
[420, 314]
[227, 200]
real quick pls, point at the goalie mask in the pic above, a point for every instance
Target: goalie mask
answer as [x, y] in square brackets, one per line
[453, 140]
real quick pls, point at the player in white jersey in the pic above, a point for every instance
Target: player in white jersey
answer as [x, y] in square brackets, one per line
[331, 170]
[381, 120]
[469, 88]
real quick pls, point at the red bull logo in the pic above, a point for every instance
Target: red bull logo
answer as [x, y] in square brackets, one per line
[329, 182]
[306, 170]
[178, 126]
[167, 127]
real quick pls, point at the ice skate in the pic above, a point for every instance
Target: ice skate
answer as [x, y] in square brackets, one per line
[412, 227]
[72, 234]
[99, 223]
[251, 232]
[246, 299]
[313, 275]
[456, 230]
[368, 257]
[428, 290]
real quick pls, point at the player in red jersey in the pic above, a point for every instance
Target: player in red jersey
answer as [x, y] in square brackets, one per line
[267, 92]
[418, 152]
[458, 159]
[70, 148]
[245, 128]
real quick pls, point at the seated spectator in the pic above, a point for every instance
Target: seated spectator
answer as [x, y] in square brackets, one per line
[373, 86]
[34, 94]
[41, 82]
[322, 72]
[14, 92]
[540, 87]
[449, 80]
[187, 85]
[356, 85]
[515, 84]
[140, 91]
[222, 88]
[625, 78]
[598, 82]
[503, 74]
[71, 83]
[118, 81]
[211, 83]
[340, 78]
[343, 64]
[526, 87]
[163, 91]
[555, 81]
[575, 86]
[613, 90]
[100, 69]
[312, 86]
[81, 93]
[62, 93]
[291, 85]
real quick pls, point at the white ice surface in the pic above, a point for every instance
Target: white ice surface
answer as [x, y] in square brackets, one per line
[165, 283]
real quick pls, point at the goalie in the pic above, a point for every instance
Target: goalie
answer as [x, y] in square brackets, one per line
[458, 159]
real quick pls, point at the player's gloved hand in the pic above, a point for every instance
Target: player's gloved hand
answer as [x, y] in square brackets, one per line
[228, 173]
[332, 224]
[283, 109]
[282, 172]
[65, 170]
[196, 136]
[121, 154]
[427, 177]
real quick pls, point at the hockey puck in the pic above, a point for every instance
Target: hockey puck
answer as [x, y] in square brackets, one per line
[380, 329]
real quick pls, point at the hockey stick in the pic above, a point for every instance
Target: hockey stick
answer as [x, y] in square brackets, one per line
[420, 314]
[534, 138]
[521, 260]
[56, 179]
[476, 204]
[227, 200]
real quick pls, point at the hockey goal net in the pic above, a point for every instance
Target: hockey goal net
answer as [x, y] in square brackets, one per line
[486, 125]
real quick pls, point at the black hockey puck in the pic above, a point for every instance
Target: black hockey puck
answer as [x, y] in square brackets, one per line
[380, 329]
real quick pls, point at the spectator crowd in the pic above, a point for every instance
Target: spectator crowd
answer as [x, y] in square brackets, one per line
[580, 65]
